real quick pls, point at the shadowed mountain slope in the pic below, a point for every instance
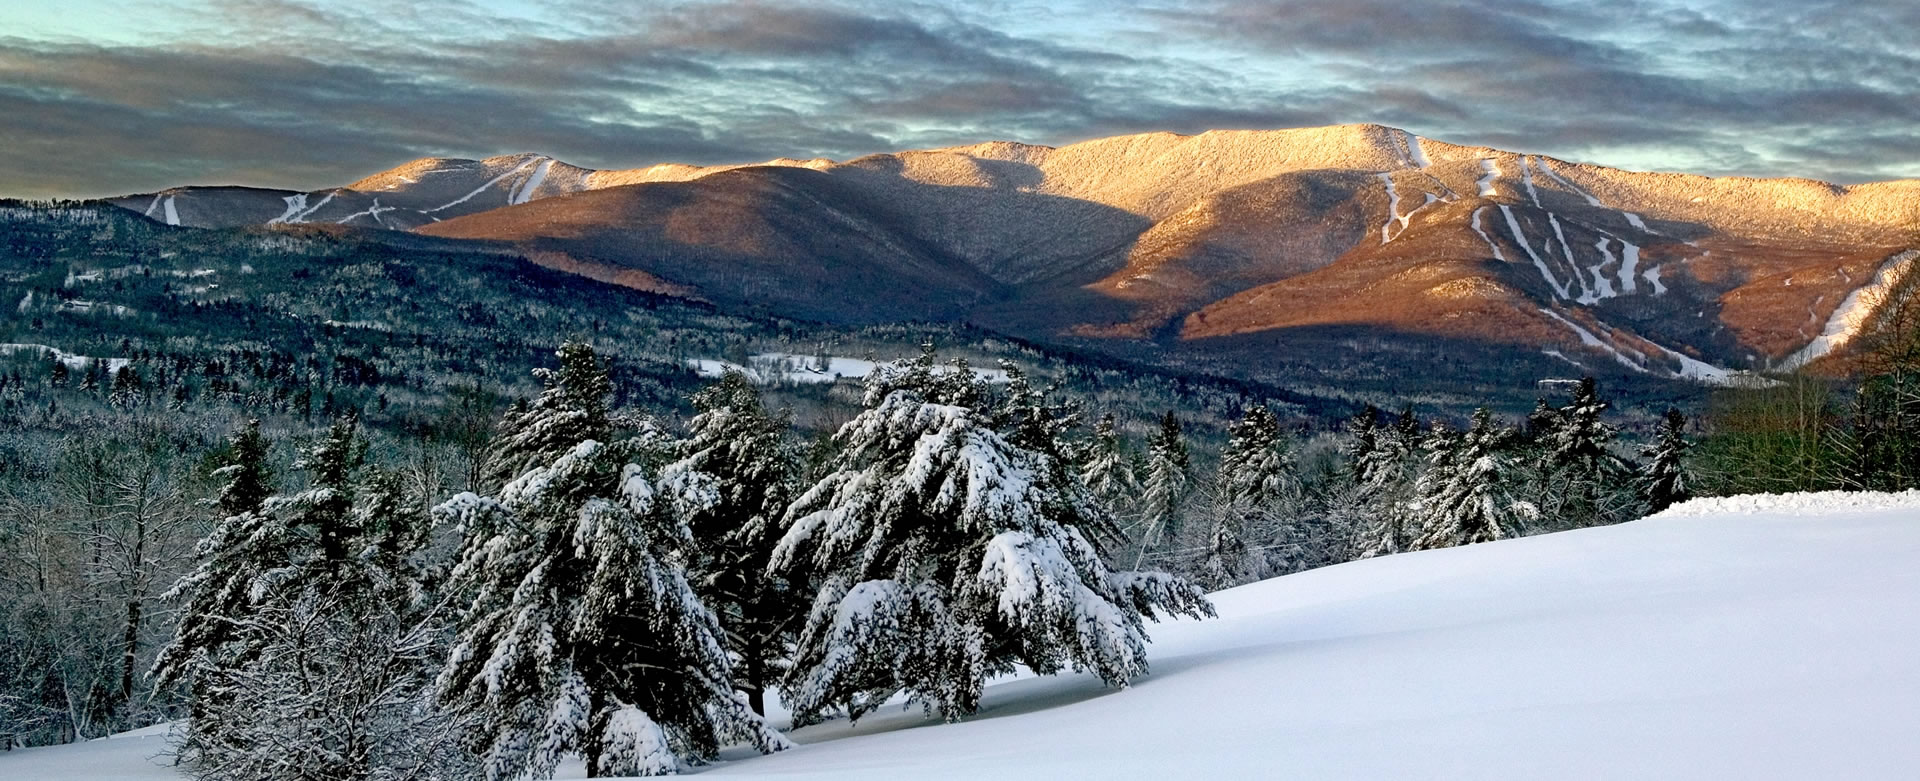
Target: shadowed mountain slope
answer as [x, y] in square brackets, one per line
[1162, 243]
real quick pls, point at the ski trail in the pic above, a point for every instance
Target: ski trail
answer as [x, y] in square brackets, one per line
[1393, 207]
[1603, 286]
[309, 212]
[1526, 178]
[1413, 146]
[525, 193]
[482, 188]
[173, 217]
[1695, 369]
[1566, 250]
[1813, 316]
[1485, 237]
[373, 211]
[1562, 356]
[1587, 338]
[1854, 312]
[1629, 263]
[295, 203]
[155, 204]
[1393, 210]
[1489, 171]
[1571, 187]
[1635, 221]
[1521, 239]
[1652, 275]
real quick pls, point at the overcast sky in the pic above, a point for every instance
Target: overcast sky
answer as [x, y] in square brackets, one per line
[102, 97]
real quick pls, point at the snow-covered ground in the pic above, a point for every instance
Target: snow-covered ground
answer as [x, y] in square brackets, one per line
[766, 368]
[73, 361]
[1750, 638]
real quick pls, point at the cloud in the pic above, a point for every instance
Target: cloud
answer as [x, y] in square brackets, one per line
[304, 94]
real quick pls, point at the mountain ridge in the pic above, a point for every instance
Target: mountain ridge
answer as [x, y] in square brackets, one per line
[1153, 241]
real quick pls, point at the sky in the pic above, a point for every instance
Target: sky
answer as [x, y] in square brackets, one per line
[105, 97]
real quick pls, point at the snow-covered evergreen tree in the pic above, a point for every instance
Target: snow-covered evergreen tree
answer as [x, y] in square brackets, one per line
[1034, 418]
[1387, 493]
[1254, 493]
[1365, 454]
[1581, 479]
[582, 632]
[1169, 479]
[247, 477]
[336, 681]
[1109, 471]
[738, 451]
[1664, 480]
[250, 555]
[304, 638]
[946, 553]
[573, 409]
[1464, 496]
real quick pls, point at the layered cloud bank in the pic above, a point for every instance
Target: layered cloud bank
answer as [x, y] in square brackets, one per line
[287, 92]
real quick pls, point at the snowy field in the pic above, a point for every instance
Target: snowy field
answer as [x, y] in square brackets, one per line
[767, 368]
[1749, 638]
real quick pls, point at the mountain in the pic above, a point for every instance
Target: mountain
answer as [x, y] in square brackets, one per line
[1752, 637]
[1346, 259]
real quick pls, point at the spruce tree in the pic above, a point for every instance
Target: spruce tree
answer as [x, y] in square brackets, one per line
[1391, 470]
[1580, 473]
[246, 478]
[1109, 472]
[737, 450]
[302, 638]
[1169, 477]
[1664, 480]
[573, 409]
[1464, 496]
[249, 555]
[582, 632]
[1365, 455]
[946, 553]
[1252, 492]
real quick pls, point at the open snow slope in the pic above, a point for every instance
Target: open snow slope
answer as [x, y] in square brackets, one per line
[1745, 638]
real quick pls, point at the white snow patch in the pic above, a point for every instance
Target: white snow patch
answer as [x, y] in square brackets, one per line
[1387, 233]
[1489, 171]
[1855, 311]
[173, 217]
